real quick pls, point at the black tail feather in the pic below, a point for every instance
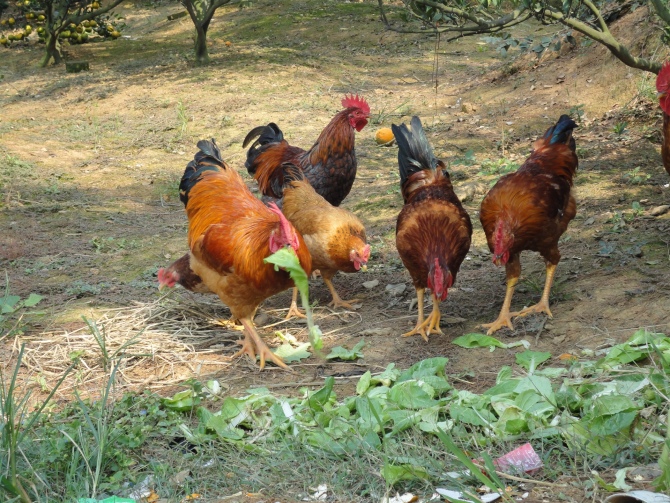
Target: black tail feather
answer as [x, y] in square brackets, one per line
[561, 132]
[209, 158]
[414, 151]
[264, 135]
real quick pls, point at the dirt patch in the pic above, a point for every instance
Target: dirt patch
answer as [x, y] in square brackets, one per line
[92, 163]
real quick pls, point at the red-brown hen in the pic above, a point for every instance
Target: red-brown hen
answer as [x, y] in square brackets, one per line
[530, 210]
[433, 230]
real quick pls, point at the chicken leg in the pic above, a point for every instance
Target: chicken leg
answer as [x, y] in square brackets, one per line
[432, 322]
[294, 310]
[543, 305]
[253, 346]
[337, 301]
[505, 317]
[512, 271]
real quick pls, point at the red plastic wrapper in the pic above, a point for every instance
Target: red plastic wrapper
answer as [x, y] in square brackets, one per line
[523, 459]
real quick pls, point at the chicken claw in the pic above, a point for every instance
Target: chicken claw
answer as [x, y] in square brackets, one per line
[337, 301]
[540, 307]
[419, 329]
[253, 346]
[294, 310]
[543, 305]
[433, 320]
[504, 320]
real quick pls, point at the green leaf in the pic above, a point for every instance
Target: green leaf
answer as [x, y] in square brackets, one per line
[395, 473]
[288, 260]
[9, 303]
[504, 374]
[477, 341]
[223, 429]
[533, 359]
[183, 401]
[389, 375]
[612, 404]
[32, 300]
[469, 415]
[320, 397]
[363, 383]
[540, 385]
[345, 354]
[290, 354]
[232, 407]
[412, 395]
[427, 367]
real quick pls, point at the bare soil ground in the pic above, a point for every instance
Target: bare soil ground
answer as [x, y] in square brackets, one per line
[90, 165]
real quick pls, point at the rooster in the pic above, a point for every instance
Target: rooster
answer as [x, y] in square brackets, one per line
[230, 232]
[663, 88]
[433, 231]
[334, 236]
[329, 166]
[530, 210]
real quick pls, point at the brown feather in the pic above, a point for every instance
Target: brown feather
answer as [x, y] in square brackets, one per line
[535, 203]
[331, 233]
[229, 234]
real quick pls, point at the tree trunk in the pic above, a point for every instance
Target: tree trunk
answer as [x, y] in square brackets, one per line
[201, 54]
[52, 50]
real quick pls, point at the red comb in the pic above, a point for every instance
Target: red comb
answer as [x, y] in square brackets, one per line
[356, 101]
[663, 79]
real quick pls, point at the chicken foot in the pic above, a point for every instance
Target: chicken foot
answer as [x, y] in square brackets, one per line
[253, 346]
[432, 322]
[543, 305]
[337, 301]
[505, 317]
[294, 310]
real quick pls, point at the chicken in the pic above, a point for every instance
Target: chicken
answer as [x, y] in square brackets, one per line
[180, 272]
[663, 88]
[329, 166]
[230, 232]
[334, 236]
[433, 231]
[530, 210]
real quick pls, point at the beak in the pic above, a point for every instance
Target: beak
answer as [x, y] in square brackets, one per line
[661, 94]
[364, 268]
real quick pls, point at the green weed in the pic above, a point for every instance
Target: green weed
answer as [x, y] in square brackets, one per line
[620, 128]
[636, 176]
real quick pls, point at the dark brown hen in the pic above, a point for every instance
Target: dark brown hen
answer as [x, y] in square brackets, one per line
[530, 210]
[433, 230]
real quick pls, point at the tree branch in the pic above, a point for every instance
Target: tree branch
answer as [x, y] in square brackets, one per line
[598, 14]
[92, 14]
[620, 51]
[478, 25]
